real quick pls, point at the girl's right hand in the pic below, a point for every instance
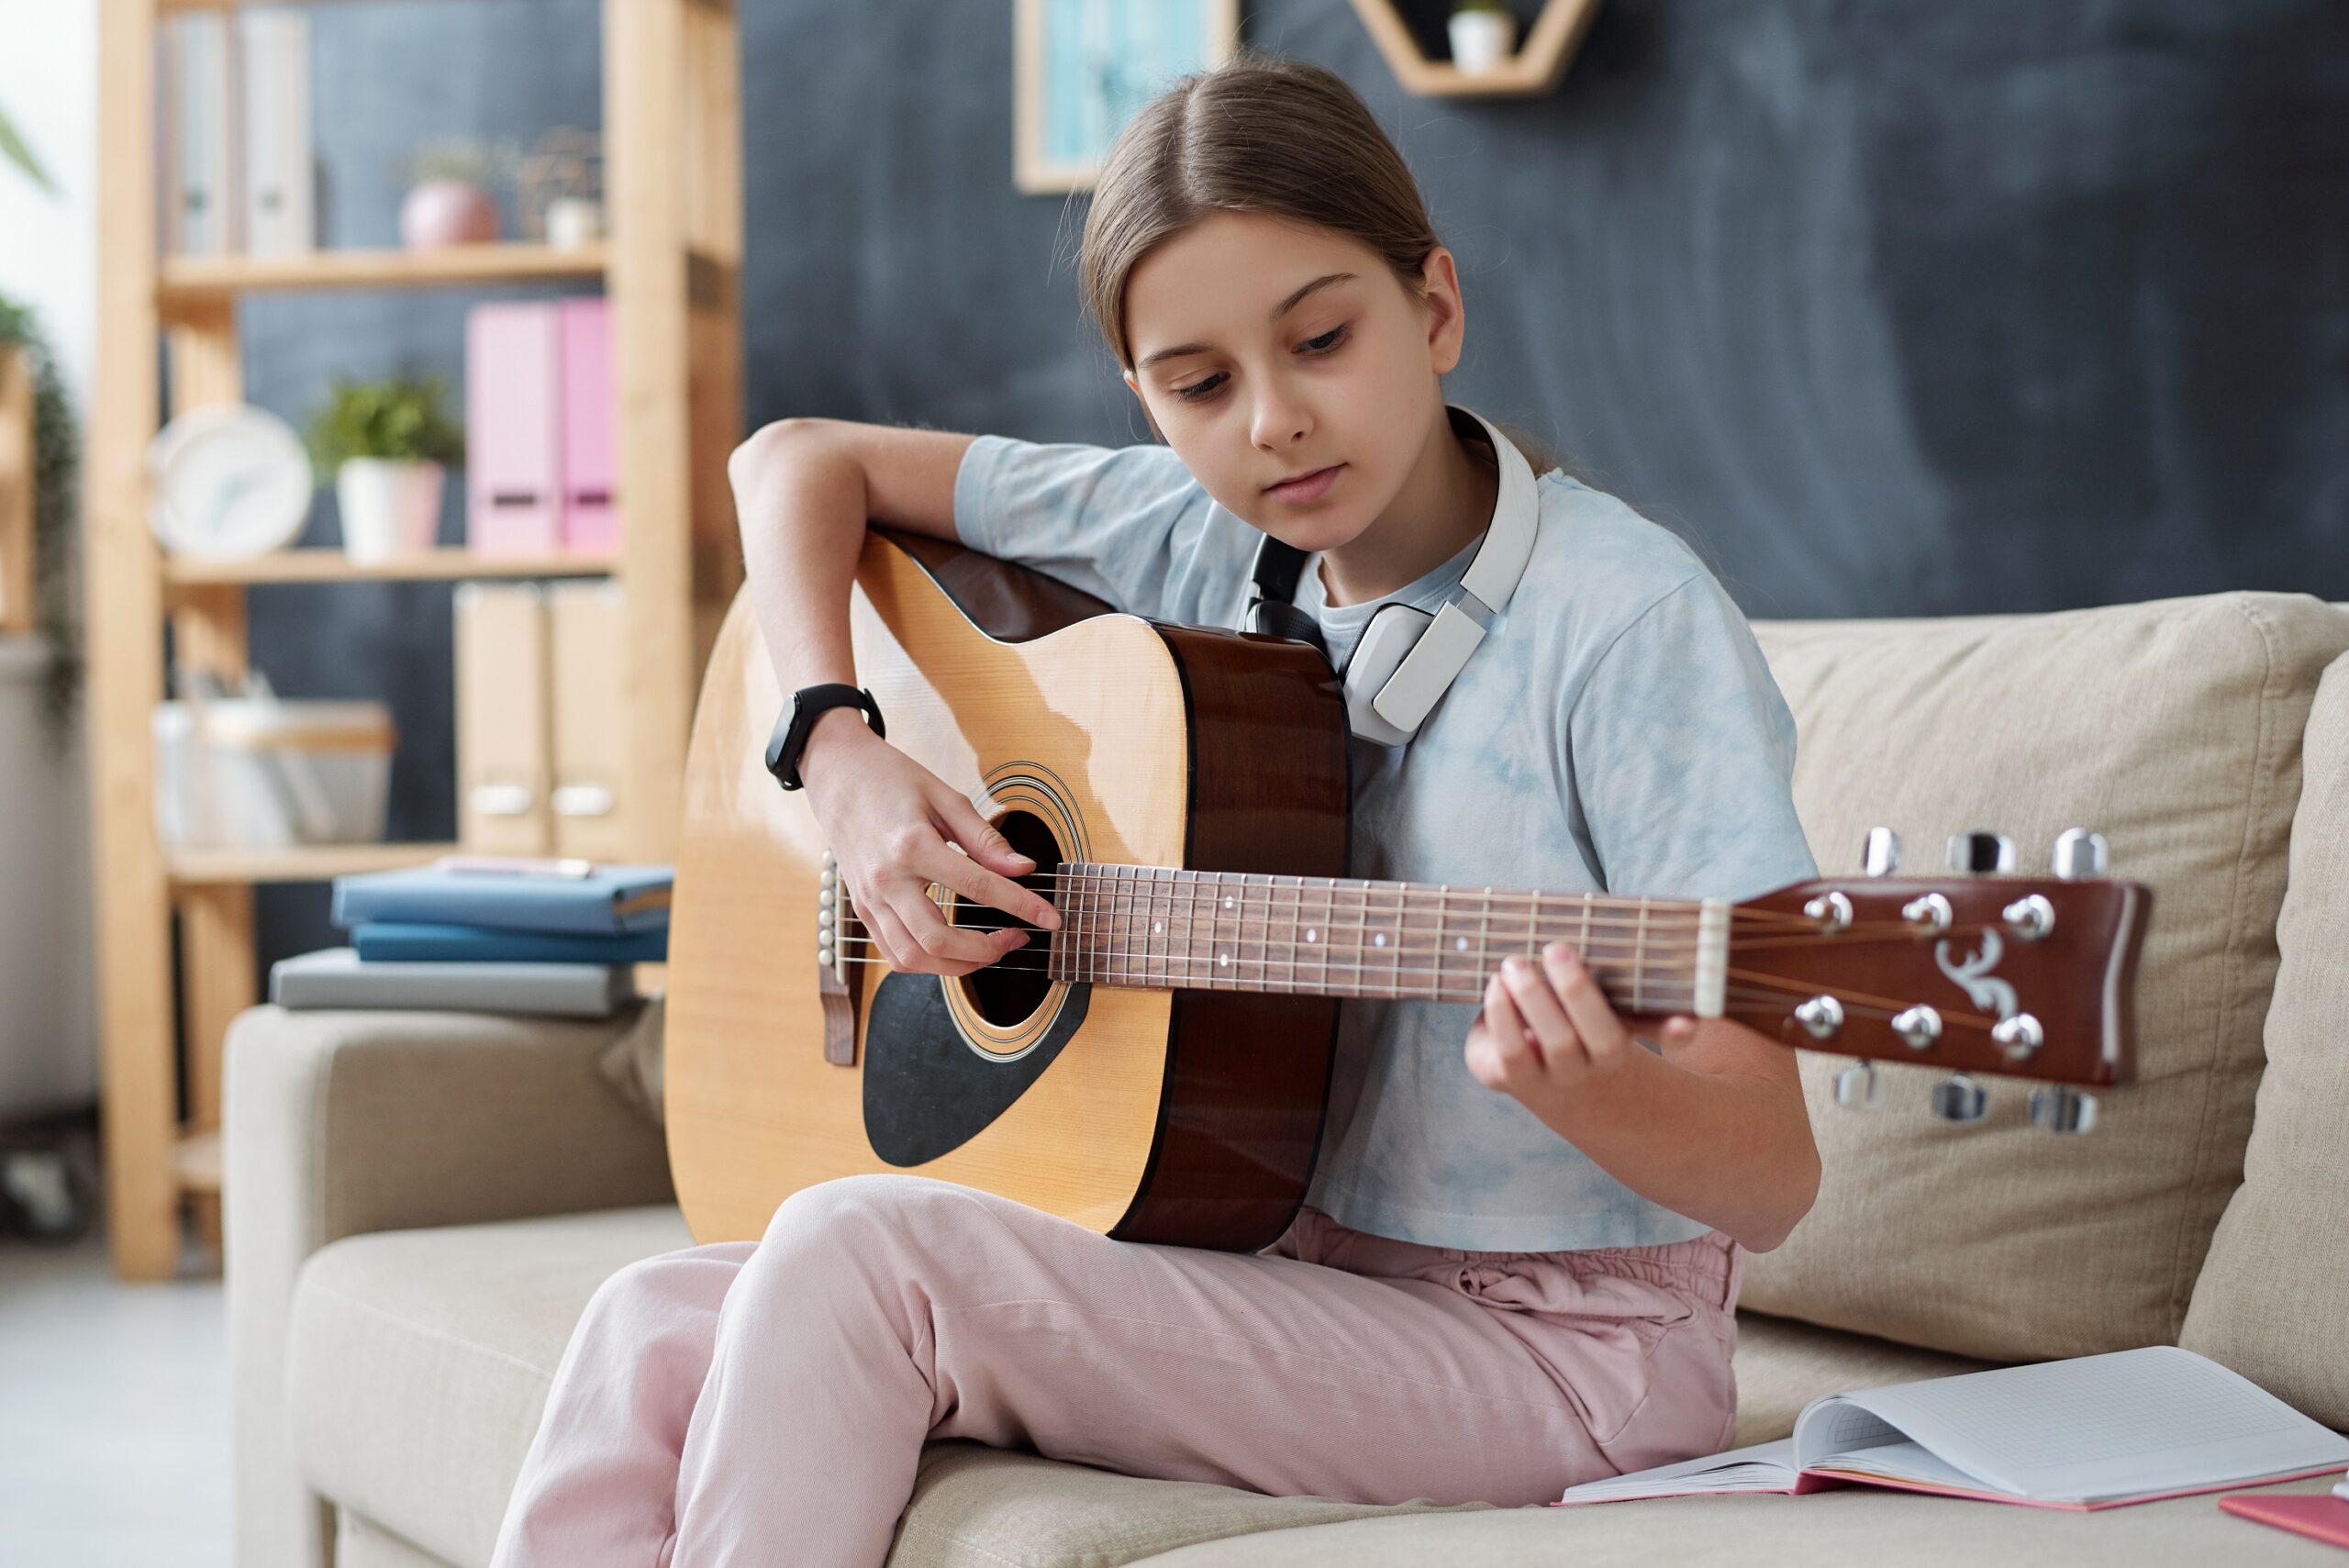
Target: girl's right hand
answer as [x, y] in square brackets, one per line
[894, 826]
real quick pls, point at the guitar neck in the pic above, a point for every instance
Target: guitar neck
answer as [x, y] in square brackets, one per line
[1156, 926]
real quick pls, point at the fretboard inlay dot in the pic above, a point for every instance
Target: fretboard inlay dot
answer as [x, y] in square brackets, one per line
[1379, 939]
[1311, 935]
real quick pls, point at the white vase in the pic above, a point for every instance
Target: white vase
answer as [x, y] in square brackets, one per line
[390, 507]
[1481, 41]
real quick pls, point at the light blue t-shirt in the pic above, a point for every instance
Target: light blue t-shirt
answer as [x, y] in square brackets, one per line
[1617, 732]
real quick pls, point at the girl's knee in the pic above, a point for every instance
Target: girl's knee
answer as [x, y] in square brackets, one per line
[863, 1221]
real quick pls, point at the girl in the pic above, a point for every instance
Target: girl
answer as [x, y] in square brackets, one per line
[1518, 1263]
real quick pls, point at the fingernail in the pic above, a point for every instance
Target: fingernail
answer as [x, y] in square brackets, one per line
[1048, 917]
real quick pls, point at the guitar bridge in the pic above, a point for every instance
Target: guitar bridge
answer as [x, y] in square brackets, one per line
[835, 931]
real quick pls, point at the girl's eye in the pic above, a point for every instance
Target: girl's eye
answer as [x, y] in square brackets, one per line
[1206, 388]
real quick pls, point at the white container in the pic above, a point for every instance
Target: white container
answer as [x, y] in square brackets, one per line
[244, 772]
[49, 1050]
[390, 507]
[1481, 41]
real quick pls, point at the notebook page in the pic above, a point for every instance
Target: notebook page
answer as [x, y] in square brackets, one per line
[2147, 1420]
[1761, 1467]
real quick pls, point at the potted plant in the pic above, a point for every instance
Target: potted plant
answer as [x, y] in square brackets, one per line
[448, 201]
[1483, 33]
[387, 445]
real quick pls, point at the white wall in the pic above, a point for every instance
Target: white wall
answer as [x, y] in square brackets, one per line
[47, 251]
[49, 62]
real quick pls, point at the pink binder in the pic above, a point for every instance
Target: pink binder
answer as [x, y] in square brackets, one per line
[590, 518]
[513, 428]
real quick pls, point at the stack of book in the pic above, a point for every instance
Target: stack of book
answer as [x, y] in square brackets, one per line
[475, 934]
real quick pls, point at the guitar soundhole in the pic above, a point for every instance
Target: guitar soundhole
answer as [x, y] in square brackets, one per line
[1009, 991]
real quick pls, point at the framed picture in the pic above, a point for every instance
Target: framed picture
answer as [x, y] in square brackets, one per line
[1081, 68]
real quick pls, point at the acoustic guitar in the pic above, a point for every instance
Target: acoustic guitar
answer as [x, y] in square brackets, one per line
[1156, 1069]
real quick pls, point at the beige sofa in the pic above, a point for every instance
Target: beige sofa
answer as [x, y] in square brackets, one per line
[419, 1204]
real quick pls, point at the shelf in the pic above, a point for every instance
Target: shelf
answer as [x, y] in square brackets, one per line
[1539, 62]
[195, 1160]
[315, 565]
[196, 280]
[299, 862]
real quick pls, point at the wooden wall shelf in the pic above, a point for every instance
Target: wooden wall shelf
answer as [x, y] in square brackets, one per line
[320, 565]
[176, 954]
[297, 863]
[196, 279]
[1539, 63]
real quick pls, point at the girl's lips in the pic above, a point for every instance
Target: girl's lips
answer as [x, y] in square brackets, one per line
[1307, 487]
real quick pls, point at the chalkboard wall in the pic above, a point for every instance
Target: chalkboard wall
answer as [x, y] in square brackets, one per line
[1898, 308]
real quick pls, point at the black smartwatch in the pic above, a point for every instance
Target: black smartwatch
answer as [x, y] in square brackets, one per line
[808, 705]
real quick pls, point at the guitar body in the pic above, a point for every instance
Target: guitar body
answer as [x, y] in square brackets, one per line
[1189, 1117]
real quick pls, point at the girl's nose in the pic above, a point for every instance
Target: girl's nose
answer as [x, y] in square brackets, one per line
[1280, 422]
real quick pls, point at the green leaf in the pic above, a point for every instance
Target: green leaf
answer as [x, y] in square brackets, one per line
[13, 147]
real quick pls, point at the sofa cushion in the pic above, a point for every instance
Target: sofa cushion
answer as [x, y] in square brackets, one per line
[1858, 1527]
[417, 1361]
[421, 1361]
[2174, 729]
[2273, 1301]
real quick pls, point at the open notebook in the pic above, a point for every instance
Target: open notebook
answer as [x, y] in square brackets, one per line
[2088, 1433]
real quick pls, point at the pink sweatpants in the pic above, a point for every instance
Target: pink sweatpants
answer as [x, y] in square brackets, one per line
[755, 1404]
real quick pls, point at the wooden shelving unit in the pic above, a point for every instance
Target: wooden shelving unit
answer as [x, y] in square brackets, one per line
[673, 138]
[1538, 66]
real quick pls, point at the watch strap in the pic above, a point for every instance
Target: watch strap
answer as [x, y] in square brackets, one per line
[808, 705]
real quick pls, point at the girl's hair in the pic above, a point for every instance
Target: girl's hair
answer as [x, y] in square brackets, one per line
[1262, 133]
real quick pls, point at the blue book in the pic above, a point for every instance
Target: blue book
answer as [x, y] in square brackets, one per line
[396, 941]
[599, 900]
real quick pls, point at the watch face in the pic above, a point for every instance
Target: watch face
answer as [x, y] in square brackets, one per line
[229, 483]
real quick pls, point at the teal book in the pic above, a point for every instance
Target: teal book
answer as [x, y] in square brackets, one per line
[400, 941]
[586, 900]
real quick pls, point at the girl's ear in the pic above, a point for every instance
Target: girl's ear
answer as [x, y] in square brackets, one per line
[1447, 324]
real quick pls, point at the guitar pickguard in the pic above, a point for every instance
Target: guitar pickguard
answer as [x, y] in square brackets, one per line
[928, 1091]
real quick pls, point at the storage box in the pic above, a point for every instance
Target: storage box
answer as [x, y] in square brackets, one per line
[241, 773]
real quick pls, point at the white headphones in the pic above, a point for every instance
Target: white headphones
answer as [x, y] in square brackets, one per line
[1407, 659]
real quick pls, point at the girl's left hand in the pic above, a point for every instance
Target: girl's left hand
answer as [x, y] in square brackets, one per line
[1545, 1029]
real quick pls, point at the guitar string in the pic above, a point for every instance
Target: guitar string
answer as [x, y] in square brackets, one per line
[1757, 996]
[1196, 888]
[1769, 984]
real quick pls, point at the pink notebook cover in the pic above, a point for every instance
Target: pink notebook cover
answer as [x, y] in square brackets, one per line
[590, 524]
[513, 428]
[2321, 1518]
[1809, 1481]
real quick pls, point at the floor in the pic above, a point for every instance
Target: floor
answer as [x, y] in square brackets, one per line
[114, 1414]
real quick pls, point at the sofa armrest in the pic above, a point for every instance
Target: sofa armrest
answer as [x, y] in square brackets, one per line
[337, 1123]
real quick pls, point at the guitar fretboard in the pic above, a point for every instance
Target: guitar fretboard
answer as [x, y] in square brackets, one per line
[1158, 926]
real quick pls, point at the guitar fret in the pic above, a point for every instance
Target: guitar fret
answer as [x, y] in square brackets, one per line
[1640, 957]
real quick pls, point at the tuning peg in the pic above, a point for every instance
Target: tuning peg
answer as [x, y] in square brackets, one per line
[1980, 854]
[2062, 1110]
[2078, 853]
[1959, 1099]
[1832, 911]
[1821, 1017]
[2019, 1037]
[1881, 857]
[1855, 1086]
[1918, 1027]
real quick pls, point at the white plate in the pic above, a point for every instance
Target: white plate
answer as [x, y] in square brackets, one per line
[229, 482]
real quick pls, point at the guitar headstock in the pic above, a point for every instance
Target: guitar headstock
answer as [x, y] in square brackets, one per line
[1982, 971]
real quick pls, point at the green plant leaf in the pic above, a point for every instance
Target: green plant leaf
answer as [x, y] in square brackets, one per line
[399, 419]
[13, 148]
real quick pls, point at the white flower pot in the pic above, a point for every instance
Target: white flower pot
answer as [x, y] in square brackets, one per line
[390, 507]
[1481, 41]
